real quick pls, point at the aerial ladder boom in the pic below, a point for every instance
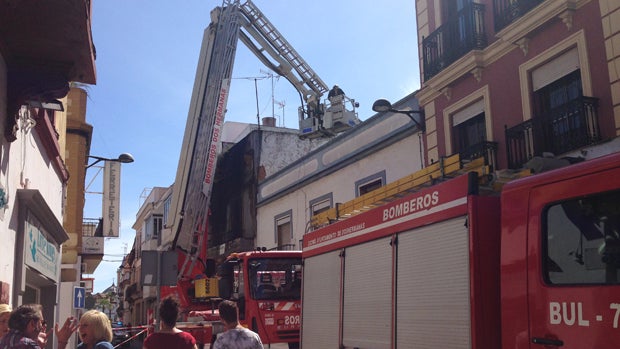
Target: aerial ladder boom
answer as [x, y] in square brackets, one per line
[194, 179]
[316, 119]
[196, 169]
[288, 63]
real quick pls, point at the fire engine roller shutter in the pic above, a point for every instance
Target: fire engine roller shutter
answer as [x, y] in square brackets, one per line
[321, 301]
[367, 295]
[433, 308]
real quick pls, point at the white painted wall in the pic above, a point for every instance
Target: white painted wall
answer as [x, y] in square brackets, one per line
[23, 165]
[27, 167]
[3, 92]
[7, 233]
[398, 160]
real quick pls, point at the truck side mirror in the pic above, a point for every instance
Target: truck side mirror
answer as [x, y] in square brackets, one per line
[225, 286]
[210, 268]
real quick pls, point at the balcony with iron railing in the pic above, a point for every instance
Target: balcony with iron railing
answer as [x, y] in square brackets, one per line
[92, 236]
[564, 129]
[454, 39]
[486, 150]
[507, 11]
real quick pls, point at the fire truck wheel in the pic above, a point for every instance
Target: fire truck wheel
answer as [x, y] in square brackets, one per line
[293, 345]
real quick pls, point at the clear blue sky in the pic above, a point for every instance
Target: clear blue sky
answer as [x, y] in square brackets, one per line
[147, 52]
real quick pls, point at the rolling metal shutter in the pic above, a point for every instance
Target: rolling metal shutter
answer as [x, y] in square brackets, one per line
[433, 289]
[554, 70]
[321, 301]
[368, 295]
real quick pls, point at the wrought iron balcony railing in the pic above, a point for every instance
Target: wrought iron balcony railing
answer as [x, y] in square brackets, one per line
[566, 128]
[461, 34]
[485, 149]
[507, 11]
[92, 227]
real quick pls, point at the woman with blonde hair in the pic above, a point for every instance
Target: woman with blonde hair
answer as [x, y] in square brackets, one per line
[94, 330]
[5, 313]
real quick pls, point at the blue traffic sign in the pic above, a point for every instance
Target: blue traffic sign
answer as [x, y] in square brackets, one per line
[79, 296]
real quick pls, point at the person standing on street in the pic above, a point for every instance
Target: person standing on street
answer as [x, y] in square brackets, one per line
[236, 336]
[94, 329]
[27, 328]
[169, 336]
[5, 313]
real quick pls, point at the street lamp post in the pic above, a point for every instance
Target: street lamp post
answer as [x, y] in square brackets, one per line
[110, 206]
[124, 158]
[383, 105]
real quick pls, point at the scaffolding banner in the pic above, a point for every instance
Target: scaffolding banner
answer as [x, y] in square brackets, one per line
[111, 198]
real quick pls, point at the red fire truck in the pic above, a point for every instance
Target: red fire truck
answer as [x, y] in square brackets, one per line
[461, 264]
[266, 286]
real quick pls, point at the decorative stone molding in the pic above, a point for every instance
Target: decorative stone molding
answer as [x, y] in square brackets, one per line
[567, 18]
[523, 44]
[447, 91]
[477, 73]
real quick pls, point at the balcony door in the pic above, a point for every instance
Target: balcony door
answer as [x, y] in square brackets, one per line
[558, 94]
[453, 14]
[559, 108]
[451, 8]
[469, 134]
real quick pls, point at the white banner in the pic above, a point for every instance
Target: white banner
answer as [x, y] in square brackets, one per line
[111, 198]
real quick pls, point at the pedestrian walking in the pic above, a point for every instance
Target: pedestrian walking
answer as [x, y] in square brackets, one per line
[169, 336]
[236, 336]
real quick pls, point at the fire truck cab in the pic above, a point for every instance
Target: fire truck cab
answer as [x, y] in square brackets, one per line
[267, 288]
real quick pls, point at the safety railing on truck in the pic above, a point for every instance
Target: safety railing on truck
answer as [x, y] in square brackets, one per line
[446, 167]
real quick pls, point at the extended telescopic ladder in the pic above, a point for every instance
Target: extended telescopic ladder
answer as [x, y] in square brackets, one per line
[196, 169]
[264, 32]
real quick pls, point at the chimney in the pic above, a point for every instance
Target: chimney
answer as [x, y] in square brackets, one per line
[269, 121]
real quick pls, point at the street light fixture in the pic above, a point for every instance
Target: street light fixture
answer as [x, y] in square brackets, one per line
[124, 158]
[383, 105]
[55, 105]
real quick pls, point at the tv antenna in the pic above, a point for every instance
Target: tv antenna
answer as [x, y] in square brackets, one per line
[281, 104]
